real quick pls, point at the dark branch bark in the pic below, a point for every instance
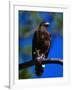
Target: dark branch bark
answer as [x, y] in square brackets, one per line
[46, 61]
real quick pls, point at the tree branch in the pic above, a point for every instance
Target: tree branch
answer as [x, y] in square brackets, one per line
[46, 61]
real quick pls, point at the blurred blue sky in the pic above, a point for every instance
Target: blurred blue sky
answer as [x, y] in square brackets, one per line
[29, 20]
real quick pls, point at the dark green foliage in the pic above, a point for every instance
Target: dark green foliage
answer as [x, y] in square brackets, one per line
[24, 74]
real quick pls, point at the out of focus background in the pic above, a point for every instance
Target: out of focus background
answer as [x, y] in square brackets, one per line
[28, 23]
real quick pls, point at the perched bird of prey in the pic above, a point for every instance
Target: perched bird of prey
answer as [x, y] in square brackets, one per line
[40, 46]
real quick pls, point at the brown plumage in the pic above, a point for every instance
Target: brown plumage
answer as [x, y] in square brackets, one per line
[41, 44]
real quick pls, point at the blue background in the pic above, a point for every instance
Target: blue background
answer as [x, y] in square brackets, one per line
[28, 22]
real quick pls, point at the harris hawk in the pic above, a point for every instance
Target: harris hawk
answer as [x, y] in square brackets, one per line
[40, 46]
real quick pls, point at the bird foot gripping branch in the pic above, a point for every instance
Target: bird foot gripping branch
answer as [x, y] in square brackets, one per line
[39, 67]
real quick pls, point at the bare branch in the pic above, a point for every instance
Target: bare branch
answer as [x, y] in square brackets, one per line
[46, 61]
